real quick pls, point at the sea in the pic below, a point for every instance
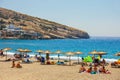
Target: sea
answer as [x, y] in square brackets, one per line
[110, 45]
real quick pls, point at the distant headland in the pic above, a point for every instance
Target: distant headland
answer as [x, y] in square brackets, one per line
[14, 25]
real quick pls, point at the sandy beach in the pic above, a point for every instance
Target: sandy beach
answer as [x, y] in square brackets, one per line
[36, 71]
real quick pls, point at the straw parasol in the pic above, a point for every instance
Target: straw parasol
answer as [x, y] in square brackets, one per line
[6, 49]
[78, 53]
[39, 51]
[27, 50]
[47, 52]
[93, 52]
[70, 54]
[24, 50]
[117, 54]
[58, 52]
[101, 53]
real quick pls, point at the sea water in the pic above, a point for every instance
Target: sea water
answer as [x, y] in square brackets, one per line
[111, 45]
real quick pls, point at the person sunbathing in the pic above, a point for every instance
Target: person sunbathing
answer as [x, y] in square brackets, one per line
[103, 70]
[82, 69]
[89, 70]
[18, 65]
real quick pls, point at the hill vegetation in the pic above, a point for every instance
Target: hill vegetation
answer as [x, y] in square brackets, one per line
[48, 29]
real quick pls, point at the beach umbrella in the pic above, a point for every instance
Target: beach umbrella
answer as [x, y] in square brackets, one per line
[78, 53]
[101, 53]
[6, 49]
[47, 52]
[27, 50]
[19, 49]
[93, 52]
[58, 52]
[69, 54]
[24, 51]
[39, 51]
[117, 54]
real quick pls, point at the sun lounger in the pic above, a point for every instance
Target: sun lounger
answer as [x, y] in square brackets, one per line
[25, 60]
[60, 63]
[114, 65]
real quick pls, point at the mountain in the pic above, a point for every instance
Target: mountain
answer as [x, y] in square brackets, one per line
[48, 29]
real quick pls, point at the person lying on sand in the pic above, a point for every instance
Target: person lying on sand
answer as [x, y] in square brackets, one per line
[103, 70]
[89, 70]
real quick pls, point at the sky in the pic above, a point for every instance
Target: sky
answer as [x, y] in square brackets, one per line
[97, 17]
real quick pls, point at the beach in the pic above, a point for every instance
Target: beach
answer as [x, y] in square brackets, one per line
[36, 71]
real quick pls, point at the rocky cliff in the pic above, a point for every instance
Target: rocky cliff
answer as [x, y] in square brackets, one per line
[48, 29]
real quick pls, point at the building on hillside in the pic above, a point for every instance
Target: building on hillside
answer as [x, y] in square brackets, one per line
[18, 33]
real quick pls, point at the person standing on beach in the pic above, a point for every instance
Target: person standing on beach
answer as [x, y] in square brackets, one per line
[13, 64]
[1, 52]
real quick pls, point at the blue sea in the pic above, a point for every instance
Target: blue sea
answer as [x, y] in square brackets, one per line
[111, 45]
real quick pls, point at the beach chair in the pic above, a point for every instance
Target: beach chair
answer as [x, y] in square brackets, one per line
[60, 63]
[115, 65]
[26, 60]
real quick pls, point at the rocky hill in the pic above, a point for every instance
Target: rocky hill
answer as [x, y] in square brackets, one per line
[48, 29]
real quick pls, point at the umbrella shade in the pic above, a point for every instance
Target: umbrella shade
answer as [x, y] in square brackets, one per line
[24, 50]
[78, 53]
[70, 54]
[117, 54]
[94, 52]
[39, 51]
[101, 53]
[47, 52]
[6, 49]
[27, 50]
[19, 49]
[58, 52]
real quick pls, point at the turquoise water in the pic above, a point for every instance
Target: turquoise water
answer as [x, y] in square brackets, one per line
[109, 45]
